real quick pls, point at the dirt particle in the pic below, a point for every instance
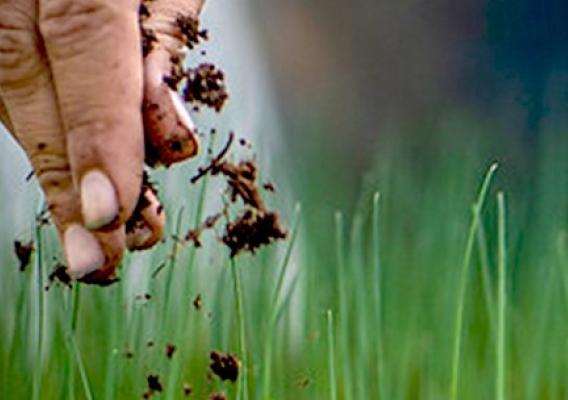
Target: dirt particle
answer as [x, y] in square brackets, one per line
[217, 396]
[59, 274]
[136, 220]
[205, 85]
[189, 32]
[170, 350]
[154, 385]
[41, 146]
[225, 365]
[129, 354]
[197, 302]
[150, 343]
[23, 253]
[269, 187]
[187, 389]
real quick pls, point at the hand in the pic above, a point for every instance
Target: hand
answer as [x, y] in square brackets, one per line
[80, 100]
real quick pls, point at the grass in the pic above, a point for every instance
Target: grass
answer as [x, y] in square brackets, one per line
[406, 294]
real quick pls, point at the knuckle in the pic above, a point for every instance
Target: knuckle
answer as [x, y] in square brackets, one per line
[72, 27]
[19, 48]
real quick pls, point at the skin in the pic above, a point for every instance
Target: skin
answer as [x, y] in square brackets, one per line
[73, 90]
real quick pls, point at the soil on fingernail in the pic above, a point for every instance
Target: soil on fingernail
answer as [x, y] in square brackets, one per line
[136, 221]
[23, 252]
[225, 365]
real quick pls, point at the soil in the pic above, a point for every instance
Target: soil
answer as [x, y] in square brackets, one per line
[170, 350]
[205, 85]
[59, 274]
[187, 389]
[225, 365]
[23, 253]
[217, 396]
[255, 226]
[136, 219]
[197, 302]
[188, 31]
[154, 385]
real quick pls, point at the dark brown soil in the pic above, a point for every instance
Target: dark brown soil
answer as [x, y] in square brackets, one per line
[59, 274]
[136, 218]
[206, 85]
[217, 396]
[255, 226]
[170, 350]
[225, 365]
[197, 302]
[189, 32]
[23, 253]
[154, 385]
[187, 389]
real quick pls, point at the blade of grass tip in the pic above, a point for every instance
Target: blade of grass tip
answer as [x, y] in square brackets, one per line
[462, 281]
[274, 305]
[242, 389]
[563, 255]
[39, 315]
[331, 356]
[377, 294]
[343, 331]
[171, 265]
[502, 300]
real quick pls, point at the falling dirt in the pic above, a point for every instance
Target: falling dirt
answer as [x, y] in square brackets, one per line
[187, 390]
[154, 385]
[59, 274]
[197, 302]
[225, 365]
[217, 396]
[23, 253]
[205, 85]
[170, 350]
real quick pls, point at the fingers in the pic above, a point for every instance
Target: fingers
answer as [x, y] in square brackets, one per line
[170, 133]
[146, 225]
[93, 48]
[28, 94]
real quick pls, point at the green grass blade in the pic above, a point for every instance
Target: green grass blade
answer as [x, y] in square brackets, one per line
[37, 368]
[242, 390]
[462, 282]
[501, 295]
[331, 356]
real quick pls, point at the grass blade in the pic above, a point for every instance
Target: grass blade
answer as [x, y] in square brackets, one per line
[464, 273]
[501, 296]
[331, 356]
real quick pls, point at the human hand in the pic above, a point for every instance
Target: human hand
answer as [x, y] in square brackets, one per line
[84, 105]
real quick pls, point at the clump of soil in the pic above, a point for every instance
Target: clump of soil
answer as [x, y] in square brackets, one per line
[59, 274]
[225, 365]
[217, 396]
[154, 385]
[136, 220]
[187, 389]
[253, 229]
[189, 32]
[170, 350]
[255, 226]
[194, 235]
[205, 85]
[197, 302]
[23, 253]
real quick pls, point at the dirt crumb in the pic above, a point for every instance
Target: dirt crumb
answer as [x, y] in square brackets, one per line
[189, 32]
[59, 274]
[23, 252]
[170, 350]
[217, 396]
[187, 389]
[225, 365]
[197, 302]
[252, 230]
[136, 220]
[154, 385]
[205, 85]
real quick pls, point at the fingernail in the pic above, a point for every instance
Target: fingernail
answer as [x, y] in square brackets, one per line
[181, 111]
[98, 200]
[83, 252]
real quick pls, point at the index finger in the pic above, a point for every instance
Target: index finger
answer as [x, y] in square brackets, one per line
[93, 48]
